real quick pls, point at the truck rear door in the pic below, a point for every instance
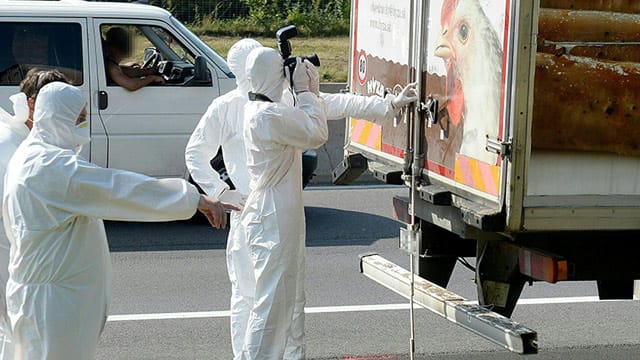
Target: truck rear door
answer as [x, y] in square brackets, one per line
[463, 57]
[380, 63]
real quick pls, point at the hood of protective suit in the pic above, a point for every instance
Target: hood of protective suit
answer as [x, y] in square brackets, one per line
[57, 109]
[237, 60]
[20, 110]
[265, 72]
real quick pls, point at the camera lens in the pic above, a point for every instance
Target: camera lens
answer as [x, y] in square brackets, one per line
[313, 58]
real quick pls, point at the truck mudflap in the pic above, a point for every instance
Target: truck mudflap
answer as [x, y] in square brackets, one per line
[477, 319]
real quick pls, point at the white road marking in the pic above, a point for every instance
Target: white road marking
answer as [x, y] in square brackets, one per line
[354, 187]
[334, 309]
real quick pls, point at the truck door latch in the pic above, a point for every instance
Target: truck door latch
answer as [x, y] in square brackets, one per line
[431, 109]
[502, 148]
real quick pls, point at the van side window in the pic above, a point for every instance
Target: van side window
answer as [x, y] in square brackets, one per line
[24, 46]
[151, 48]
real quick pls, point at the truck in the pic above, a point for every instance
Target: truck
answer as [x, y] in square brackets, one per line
[522, 151]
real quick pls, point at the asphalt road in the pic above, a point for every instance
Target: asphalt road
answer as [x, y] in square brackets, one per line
[171, 293]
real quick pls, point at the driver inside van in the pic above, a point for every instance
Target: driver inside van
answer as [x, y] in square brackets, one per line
[117, 47]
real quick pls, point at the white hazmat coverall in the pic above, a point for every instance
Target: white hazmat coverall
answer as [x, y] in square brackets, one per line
[221, 126]
[12, 132]
[275, 134]
[339, 106]
[58, 291]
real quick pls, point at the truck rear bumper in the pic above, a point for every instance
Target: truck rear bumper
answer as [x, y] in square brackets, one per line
[479, 320]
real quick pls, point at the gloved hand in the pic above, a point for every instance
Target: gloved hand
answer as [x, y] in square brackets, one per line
[215, 210]
[20, 108]
[233, 197]
[406, 97]
[314, 78]
[301, 80]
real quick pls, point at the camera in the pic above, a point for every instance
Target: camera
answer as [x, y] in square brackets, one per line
[284, 46]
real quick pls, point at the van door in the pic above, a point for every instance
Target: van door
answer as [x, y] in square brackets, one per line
[147, 129]
[44, 44]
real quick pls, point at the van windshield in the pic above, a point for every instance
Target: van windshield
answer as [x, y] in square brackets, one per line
[218, 60]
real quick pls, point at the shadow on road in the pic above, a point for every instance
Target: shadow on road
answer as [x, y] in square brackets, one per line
[325, 227]
[164, 236]
[335, 227]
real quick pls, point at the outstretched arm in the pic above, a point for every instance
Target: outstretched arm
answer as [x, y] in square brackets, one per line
[117, 75]
[339, 106]
[119, 195]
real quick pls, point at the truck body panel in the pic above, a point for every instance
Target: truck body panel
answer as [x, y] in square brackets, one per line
[380, 62]
[500, 96]
[522, 150]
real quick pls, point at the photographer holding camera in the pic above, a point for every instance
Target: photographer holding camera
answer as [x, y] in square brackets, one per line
[339, 106]
[275, 134]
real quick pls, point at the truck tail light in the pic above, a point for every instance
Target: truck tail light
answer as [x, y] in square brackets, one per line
[543, 266]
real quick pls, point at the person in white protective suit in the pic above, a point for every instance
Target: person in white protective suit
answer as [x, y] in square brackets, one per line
[58, 291]
[275, 134]
[339, 106]
[221, 126]
[13, 130]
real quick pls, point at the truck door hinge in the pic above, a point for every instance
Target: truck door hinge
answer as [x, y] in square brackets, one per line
[502, 148]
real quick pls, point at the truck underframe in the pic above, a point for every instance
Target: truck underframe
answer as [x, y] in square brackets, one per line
[506, 262]
[452, 229]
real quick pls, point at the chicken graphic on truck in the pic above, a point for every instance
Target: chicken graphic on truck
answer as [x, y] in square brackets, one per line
[472, 53]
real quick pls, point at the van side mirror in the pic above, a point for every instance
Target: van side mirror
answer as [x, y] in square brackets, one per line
[202, 73]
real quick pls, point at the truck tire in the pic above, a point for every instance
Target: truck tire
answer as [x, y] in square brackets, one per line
[615, 289]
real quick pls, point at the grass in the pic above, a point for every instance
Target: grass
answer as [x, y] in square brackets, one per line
[332, 51]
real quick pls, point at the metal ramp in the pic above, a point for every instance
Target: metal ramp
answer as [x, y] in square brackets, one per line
[475, 318]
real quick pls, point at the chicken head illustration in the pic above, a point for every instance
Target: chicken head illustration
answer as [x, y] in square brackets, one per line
[472, 54]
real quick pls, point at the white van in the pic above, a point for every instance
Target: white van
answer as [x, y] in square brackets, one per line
[145, 130]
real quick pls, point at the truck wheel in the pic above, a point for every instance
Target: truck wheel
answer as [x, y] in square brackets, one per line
[615, 289]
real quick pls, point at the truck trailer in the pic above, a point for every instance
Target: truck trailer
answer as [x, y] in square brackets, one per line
[523, 150]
